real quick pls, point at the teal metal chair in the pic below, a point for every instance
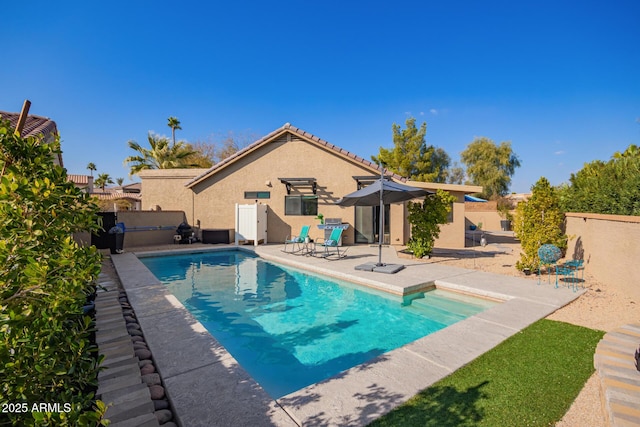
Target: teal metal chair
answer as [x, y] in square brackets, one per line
[567, 275]
[576, 264]
[549, 256]
[570, 271]
[297, 243]
[330, 246]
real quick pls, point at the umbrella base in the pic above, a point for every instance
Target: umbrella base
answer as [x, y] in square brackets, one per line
[380, 268]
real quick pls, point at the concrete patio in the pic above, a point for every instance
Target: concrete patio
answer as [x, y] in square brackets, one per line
[208, 387]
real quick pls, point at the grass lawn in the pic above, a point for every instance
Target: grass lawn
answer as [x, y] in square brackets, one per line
[530, 379]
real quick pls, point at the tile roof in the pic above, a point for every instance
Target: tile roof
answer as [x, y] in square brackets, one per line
[34, 125]
[287, 127]
[134, 187]
[79, 179]
[116, 196]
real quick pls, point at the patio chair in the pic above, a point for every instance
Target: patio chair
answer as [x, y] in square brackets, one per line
[297, 242]
[576, 264]
[566, 274]
[570, 268]
[549, 256]
[330, 244]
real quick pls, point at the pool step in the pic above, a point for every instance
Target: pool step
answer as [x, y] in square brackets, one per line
[435, 314]
[464, 298]
[445, 310]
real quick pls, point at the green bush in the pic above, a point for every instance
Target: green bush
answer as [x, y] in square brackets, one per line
[606, 187]
[539, 221]
[425, 219]
[46, 354]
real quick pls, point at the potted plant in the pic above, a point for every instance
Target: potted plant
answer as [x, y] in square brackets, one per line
[504, 207]
[320, 217]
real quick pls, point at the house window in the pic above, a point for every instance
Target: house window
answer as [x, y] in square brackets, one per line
[450, 214]
[300, 205]
[257, 194]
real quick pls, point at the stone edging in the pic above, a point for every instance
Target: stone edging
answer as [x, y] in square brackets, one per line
[615, 361]
[128, 383]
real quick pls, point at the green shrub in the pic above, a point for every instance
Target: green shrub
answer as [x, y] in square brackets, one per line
[606, 187]
[425, 219]
[539, 221]
[46, 354]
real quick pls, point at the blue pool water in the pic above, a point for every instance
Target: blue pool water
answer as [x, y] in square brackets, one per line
[289, 328]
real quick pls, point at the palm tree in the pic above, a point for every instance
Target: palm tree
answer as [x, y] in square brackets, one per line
[162, 155]
[103, 179]
[119, 181]
[174, 124]
[91, 166]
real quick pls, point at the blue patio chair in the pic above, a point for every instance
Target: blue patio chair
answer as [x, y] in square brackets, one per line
[330, 244]
[549, 256]
[567, 275]
[297, 243]
[570, 268]
[576, 264]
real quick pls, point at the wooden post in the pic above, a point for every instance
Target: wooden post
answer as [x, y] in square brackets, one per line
[23, 117]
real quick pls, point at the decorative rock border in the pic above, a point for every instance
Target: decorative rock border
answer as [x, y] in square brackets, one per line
[616, 361]
[128, 383]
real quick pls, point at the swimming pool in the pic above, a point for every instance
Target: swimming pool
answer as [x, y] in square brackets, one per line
[289, 328]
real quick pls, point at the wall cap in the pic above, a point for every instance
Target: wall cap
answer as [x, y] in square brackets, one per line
[604, 217]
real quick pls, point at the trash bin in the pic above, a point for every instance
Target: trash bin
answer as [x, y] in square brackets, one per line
[117, 243]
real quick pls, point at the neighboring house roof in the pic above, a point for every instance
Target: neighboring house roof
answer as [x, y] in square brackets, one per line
[116, 196]
[79, 180]
[134, 187]
[277, 133]
[34, 126]
[518, 197]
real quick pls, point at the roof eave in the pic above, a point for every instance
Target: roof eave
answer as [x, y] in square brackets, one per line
[464, 188]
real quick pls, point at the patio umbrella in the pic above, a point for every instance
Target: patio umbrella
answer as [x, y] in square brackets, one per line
[382, 192]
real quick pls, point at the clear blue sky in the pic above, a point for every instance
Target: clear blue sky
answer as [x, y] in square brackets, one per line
[559, 79]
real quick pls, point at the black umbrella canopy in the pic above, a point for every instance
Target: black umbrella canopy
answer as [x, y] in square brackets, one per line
[392, 192]
[382, 192]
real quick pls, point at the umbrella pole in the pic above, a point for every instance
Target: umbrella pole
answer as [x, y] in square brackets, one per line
[381, 229]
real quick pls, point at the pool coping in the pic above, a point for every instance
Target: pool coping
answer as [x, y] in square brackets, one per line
[207, 386]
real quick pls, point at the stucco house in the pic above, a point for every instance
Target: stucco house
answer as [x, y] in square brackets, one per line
[298, 176]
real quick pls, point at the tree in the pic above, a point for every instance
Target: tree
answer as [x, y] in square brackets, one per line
[46, 353]
[539, 221]
[206, 150]
[92, 167]
[229, 148]
[456, 174]
[199, 158]
[174, 124]
[162, 155]
[219, 148]
[411, 157]
[103, 179]
[490, 166]
[425, 219]
[606, 187]
[631, 152]
[119, 181]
